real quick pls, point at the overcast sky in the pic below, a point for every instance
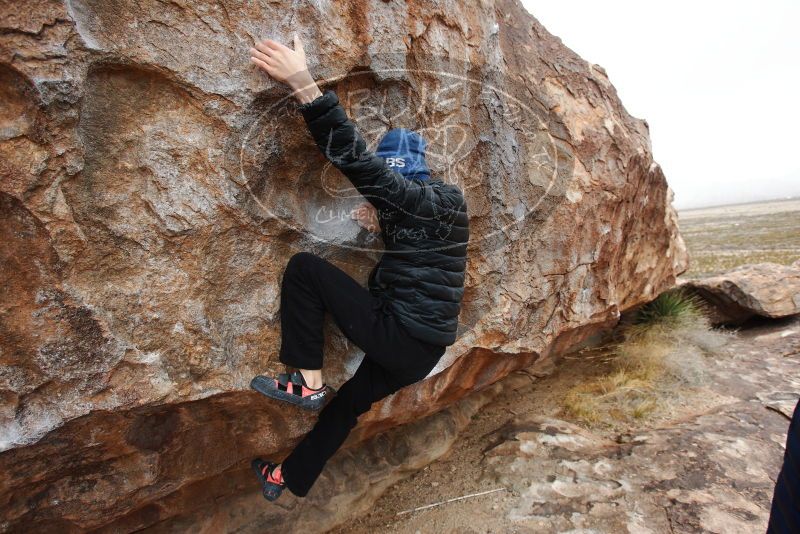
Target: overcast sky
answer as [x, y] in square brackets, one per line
[718, 82]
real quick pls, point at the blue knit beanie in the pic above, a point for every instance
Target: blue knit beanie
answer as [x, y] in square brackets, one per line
[404, 152]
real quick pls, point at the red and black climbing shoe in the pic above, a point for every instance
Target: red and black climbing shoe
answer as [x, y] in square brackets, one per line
[271, 485]
[292, 388]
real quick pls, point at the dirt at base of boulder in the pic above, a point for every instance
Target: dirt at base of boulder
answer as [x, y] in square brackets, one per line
[709, 464]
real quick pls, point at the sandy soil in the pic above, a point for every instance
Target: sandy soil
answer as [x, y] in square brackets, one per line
[732, 406]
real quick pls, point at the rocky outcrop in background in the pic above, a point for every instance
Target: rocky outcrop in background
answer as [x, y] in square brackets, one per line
[767, 290]
[154, 186]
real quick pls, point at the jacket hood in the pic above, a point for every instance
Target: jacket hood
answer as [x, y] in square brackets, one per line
[404, 152]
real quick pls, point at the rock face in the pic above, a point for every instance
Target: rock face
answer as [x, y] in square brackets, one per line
[154, 186]
[762, 289]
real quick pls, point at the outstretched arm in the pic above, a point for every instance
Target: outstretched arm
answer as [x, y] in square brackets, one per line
[335, 134]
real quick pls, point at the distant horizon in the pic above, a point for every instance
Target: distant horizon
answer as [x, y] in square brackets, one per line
[715, 81]
[731, 204]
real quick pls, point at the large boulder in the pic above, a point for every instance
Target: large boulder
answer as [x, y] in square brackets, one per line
[154, 185]
[768, 290]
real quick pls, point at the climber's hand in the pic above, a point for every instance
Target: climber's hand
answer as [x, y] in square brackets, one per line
[367, 217]
[278, 60]
[286, 66]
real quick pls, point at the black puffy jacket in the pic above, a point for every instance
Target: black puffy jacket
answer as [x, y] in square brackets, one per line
[424, 227]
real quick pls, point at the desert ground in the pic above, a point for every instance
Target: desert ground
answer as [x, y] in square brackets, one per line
[723, 237]
[706, 464]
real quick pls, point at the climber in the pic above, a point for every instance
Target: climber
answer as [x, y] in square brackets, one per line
[408, 314]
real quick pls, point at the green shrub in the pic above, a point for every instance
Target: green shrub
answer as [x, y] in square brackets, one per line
[673, 306]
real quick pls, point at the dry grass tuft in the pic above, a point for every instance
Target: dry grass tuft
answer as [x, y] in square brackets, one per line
[661, 353]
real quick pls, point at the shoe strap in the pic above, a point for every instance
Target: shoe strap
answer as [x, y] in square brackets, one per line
[283, 381]
[297, 382]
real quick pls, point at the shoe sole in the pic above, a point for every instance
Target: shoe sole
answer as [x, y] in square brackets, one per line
[266, 386]
[269, 490]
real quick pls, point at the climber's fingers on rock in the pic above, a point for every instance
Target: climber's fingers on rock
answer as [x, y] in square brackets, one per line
[360, 211]
[269, 69]
[366, 216]
[367, 225]
[264, 49]
[273, 53]
[263, 57]
[274, 45]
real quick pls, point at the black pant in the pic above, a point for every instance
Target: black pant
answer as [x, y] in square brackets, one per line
[392, 359]
[785, 514]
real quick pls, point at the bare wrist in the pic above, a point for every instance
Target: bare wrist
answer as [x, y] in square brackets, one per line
[304, 87]
[307, 94]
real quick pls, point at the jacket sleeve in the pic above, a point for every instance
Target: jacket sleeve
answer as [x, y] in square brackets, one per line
[339, 140]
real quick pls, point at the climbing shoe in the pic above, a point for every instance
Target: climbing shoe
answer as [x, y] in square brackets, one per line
[271, 487]
[292, 388]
